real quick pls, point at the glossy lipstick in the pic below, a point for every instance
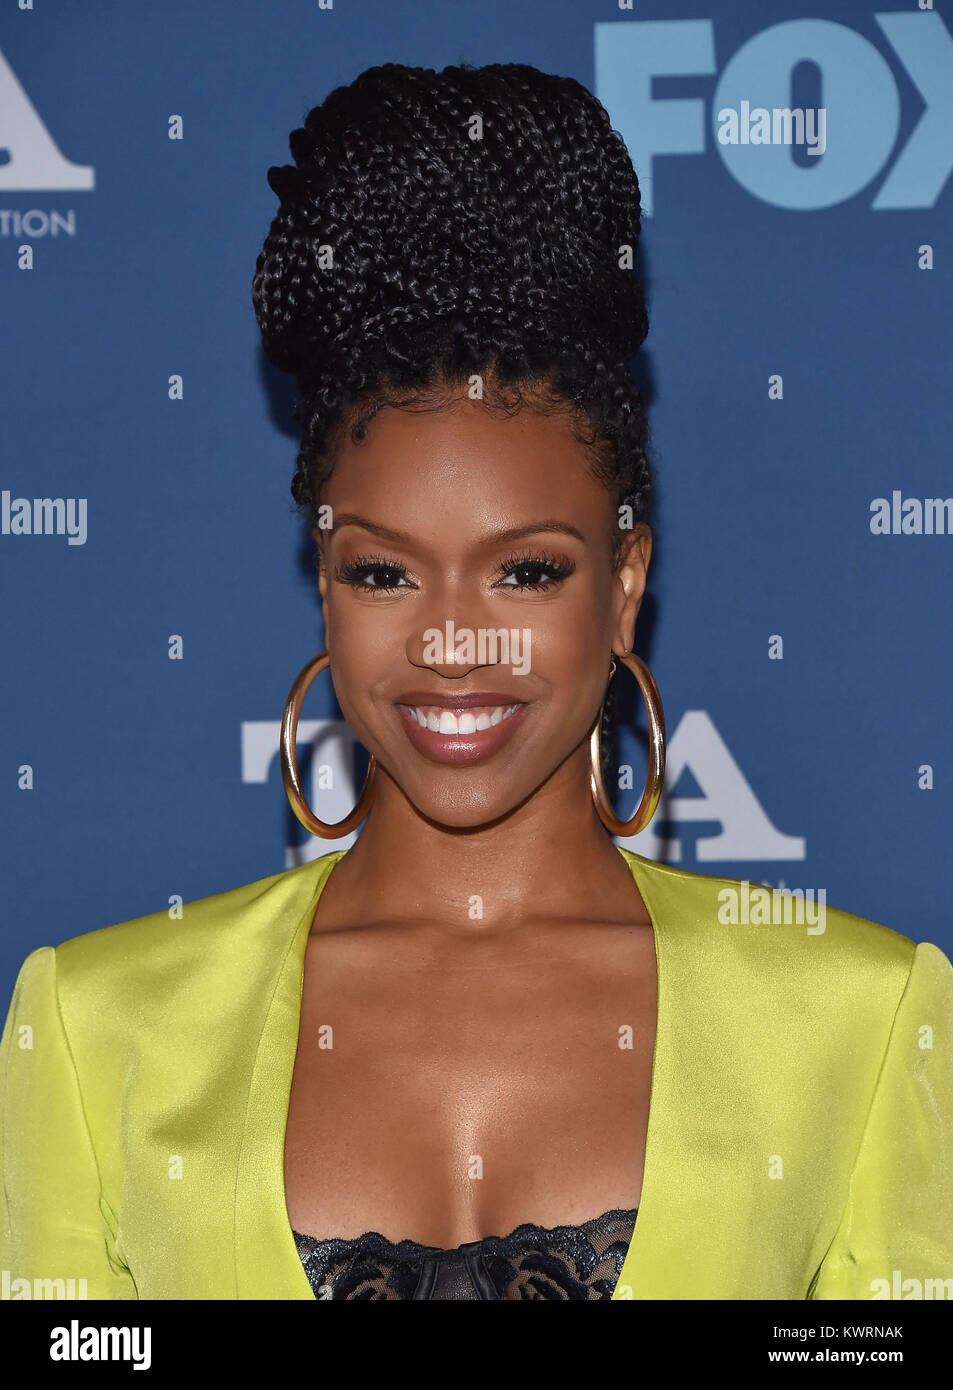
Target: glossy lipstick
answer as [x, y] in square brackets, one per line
[460, 729]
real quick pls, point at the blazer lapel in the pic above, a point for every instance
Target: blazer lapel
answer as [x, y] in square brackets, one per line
[639, 1276]
[267, 1264]
[701, 1230]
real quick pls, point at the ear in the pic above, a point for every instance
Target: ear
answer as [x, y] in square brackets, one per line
[320, 558]
[631, 576]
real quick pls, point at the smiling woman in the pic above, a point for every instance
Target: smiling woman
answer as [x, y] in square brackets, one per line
[457, 484]
[485, 1053]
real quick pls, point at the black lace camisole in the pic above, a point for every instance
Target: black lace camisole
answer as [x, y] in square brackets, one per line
[533, 1262]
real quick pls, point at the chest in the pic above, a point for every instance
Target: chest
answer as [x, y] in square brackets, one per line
[447, 1095]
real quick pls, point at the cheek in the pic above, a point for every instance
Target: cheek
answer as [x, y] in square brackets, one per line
[352, 676]
[569, 637]
[359, 649]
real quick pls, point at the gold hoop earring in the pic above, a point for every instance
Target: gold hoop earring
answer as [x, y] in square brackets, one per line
[656, 770]
[289, 763]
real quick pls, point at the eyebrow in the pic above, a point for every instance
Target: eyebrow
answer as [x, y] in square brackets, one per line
[513, 533]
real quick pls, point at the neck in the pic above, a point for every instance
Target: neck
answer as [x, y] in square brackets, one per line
[550, 857]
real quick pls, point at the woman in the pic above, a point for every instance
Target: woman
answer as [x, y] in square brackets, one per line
[423, 1068]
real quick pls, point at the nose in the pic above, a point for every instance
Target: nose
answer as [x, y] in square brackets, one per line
[454, 634]
[453, 645]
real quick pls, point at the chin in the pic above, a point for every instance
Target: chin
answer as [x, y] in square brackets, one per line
[457, 818]
[469, 810]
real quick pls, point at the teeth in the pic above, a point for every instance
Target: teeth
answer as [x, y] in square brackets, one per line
[445, 721]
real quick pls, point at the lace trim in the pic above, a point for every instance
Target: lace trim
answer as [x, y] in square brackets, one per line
[532, 1262]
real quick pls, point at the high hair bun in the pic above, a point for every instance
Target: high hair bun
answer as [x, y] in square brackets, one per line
[437, 225]
[514, 235]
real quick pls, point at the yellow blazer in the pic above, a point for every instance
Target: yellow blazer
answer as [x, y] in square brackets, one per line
[800, 1136]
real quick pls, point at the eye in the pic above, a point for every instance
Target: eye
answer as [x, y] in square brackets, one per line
[387, 575]
[525, 569]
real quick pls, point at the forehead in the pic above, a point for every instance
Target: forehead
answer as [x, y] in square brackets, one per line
[467, 459]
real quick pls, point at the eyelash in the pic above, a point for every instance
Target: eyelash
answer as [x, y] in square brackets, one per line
[354, 572]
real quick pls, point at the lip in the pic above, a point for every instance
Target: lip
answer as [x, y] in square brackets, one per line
[460, 748]
[444, 699]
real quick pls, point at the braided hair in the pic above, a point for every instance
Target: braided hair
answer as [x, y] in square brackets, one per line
[436, 226]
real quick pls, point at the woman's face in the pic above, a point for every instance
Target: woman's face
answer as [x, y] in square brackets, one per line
[427, 603]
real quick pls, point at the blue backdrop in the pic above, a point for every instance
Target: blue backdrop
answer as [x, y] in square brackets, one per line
[797, 367]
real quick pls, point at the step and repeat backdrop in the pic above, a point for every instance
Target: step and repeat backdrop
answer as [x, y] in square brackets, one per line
[158, 597]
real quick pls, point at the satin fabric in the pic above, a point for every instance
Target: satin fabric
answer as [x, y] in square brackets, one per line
[800, 1136]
